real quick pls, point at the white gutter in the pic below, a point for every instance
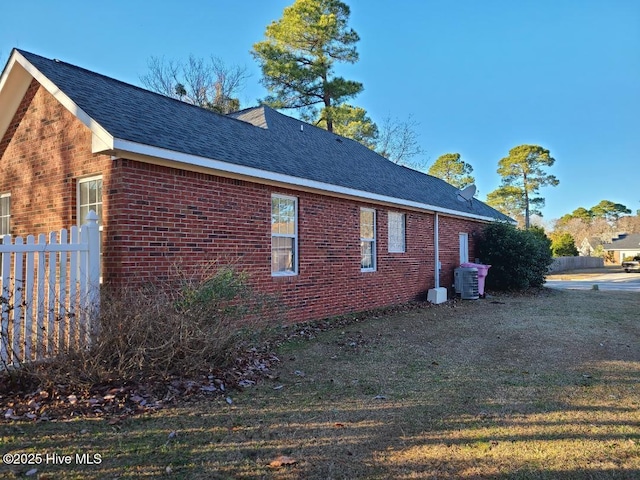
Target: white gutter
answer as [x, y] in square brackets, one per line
[123, 147]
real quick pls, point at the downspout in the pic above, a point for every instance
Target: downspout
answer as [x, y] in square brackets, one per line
[436, 241]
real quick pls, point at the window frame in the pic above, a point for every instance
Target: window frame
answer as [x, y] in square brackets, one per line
[79, 182]
[80, 221]
[8, 216]
[371, 240]
[392, 244]
[294, 236]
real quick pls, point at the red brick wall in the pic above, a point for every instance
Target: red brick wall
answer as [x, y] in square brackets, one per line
[450, 229]
[42, 154]
[163, 216]
[157, 217]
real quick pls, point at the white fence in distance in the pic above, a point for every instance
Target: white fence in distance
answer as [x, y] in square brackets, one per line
[561, 264]
[50, 293]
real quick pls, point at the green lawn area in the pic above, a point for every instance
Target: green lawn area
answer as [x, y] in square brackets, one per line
[540, 386]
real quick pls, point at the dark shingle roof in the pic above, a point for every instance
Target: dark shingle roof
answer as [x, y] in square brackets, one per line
[259, 138]
[624, 242]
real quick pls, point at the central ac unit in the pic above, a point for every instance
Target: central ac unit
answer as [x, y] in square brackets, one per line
[466, 282]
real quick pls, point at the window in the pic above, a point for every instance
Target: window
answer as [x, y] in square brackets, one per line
[396, 225]
[368, 239]
[5, 213]
[90, 198]
[284, 235]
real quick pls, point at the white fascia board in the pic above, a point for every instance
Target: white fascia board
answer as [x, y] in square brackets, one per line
[101, 136]
[122, 147]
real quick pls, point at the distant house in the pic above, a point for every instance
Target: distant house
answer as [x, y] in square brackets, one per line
[625, 245]
[589, 245]
[326, 224]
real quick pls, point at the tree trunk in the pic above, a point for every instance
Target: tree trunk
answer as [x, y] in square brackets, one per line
[327, 103]
[526, 203]
[526, 216]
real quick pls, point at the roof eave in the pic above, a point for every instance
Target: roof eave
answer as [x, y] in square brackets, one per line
[136, 151]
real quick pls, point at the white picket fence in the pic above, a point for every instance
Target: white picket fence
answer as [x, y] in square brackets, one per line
[50, 293]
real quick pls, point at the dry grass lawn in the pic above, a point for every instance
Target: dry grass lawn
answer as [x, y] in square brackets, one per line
[529, 387]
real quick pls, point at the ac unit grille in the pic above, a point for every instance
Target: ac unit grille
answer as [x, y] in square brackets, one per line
[466, 283]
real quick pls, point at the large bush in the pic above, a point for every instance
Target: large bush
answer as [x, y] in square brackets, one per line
[563, 245]
[189, 326]
[519, 259]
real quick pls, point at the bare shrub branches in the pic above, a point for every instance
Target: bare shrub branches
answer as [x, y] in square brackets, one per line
[190, 326]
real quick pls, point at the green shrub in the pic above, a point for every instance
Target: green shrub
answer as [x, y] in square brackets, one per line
[563, 245]
[519, 259]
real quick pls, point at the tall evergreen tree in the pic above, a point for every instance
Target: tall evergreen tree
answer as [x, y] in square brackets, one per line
[298, 56]
[453, 170]
[522, 177]
[609, 210]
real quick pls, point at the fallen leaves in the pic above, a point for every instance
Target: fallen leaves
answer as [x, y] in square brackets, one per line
[119, 400]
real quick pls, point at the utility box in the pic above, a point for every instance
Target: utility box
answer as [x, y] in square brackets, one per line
[437, 295]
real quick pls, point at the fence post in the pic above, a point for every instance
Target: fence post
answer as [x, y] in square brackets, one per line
[92, 302]
[5, 297]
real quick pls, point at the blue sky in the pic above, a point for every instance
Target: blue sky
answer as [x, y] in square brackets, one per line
[480, 77]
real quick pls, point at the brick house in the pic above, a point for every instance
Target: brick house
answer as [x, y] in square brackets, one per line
[320, 220]
[624, 245]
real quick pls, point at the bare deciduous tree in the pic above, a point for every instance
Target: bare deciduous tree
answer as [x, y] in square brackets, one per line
[208, 83]
[398, 141]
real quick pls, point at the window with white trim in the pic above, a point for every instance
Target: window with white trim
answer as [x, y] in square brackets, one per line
[5, 214]
[397, 227]
[90, 198]
[284, 235]
[368, 239]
